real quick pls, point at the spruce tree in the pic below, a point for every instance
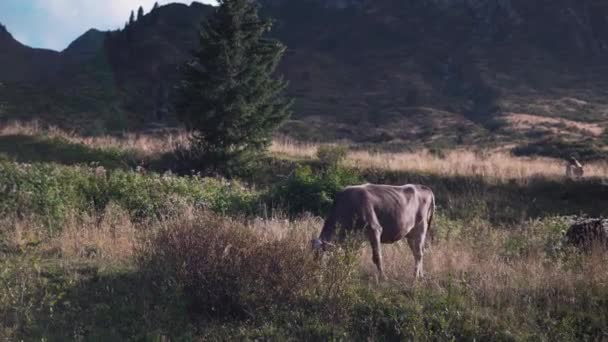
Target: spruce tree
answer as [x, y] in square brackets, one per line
[155, 6]
[230, 100]
[132, 18]
[140, 13]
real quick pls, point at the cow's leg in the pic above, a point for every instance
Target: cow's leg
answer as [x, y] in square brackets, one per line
[417, 245]
[374, 239]
[373, 230]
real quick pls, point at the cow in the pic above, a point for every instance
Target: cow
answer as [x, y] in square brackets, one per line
[384, 214]
[574, 169]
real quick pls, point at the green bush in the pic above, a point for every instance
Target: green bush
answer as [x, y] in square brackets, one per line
[307, 191]
[332, 155]
[54, 192]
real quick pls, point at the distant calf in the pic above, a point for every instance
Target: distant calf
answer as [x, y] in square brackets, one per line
[588, 233]
[385, 214]
[574, 169]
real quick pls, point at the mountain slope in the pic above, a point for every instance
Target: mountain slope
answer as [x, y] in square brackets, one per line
[404, 65]
[369, 70]
[109, 80]
[19, 62]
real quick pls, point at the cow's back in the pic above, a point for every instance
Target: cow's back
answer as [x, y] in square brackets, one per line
[396, 209]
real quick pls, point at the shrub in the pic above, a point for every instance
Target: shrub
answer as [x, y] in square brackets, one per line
[306, 191]
[226, 270]
[332, 155]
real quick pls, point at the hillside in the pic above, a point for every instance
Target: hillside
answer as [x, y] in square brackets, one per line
[433, 72]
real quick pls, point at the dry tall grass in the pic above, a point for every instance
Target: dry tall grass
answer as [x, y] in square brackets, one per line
[147, 144]
[479, 255]
[266, 262]
[490, 164]
[500, 267]
[112, 237]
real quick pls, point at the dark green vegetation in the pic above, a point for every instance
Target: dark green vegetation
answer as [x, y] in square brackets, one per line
[396, 72]
[94, 254]
[229, 98]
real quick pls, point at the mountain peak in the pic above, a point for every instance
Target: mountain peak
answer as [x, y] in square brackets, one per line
[86, 46]
[6, 38]
[4, 32]
[92, 36]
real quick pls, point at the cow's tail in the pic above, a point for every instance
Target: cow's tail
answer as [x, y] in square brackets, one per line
[430, 230]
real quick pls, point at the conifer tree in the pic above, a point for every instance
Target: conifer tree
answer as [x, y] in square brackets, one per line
[140, 13]
[132, 18]
[155, 6]
[230, 100]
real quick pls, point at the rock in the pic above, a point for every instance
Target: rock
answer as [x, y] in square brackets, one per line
[587, 232]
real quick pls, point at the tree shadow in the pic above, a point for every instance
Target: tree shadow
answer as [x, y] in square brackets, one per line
[31, 149]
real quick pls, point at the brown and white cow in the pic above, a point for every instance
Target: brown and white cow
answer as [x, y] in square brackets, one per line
[385, 214]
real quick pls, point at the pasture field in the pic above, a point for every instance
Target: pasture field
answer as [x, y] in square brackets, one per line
[93, 248]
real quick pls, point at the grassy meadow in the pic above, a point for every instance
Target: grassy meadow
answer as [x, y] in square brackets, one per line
[101, 238]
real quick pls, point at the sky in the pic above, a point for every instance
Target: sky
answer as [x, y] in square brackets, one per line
[54, 24]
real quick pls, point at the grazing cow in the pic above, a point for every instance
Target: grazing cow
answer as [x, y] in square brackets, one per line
[385, 214]
[574, 169]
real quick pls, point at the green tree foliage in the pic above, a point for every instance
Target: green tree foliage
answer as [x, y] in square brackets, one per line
[140, 13]
[230, 100]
